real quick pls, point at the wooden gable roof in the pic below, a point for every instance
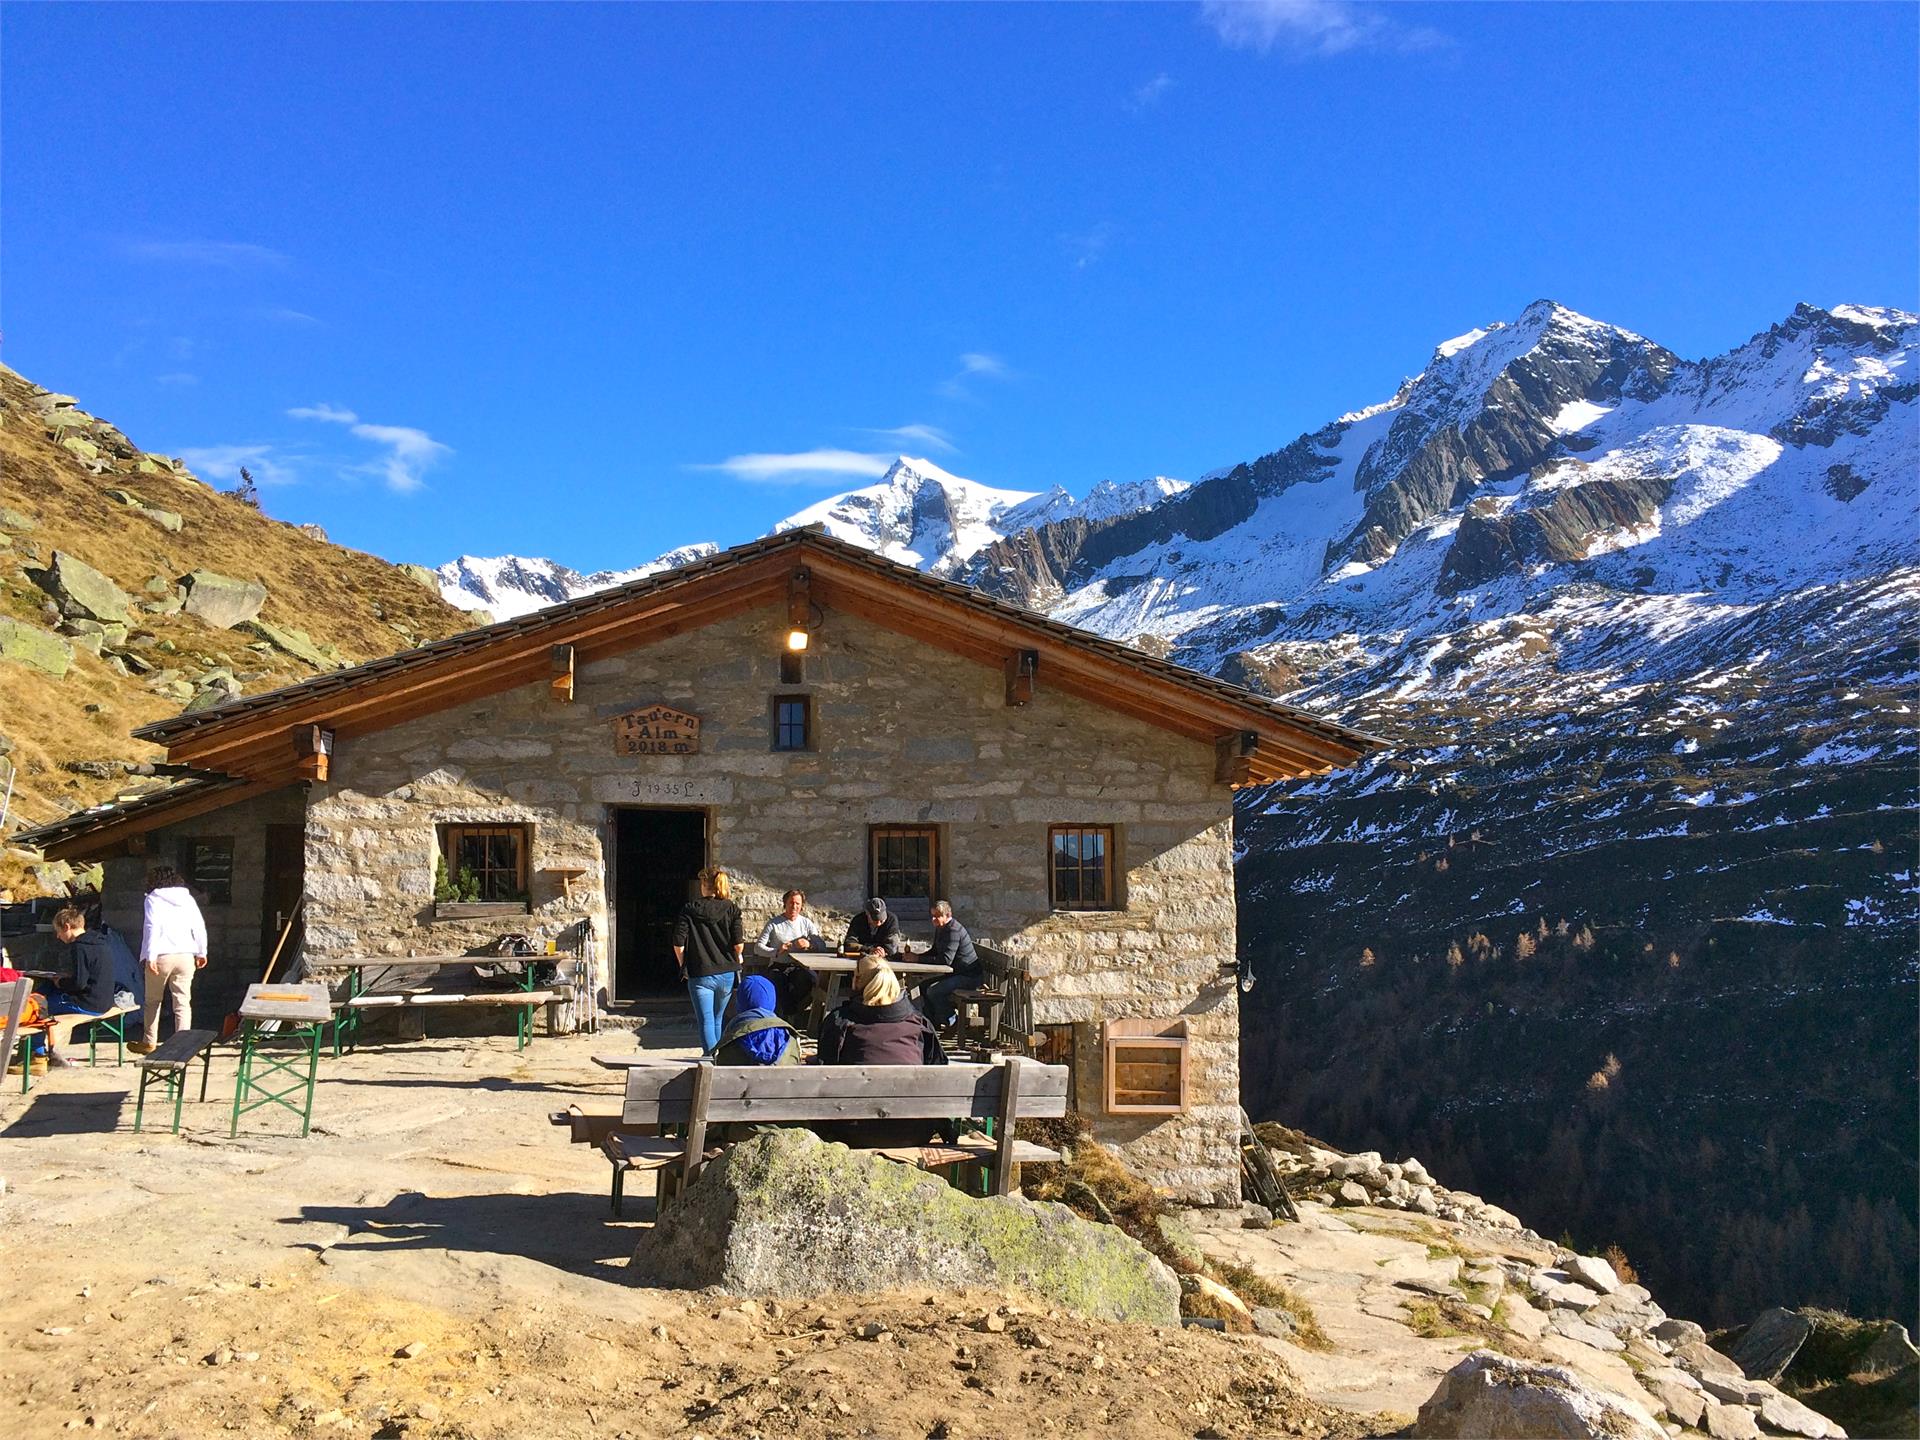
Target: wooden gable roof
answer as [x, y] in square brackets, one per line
[267, 740]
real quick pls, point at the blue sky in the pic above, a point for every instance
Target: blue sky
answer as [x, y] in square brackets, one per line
[503, 278]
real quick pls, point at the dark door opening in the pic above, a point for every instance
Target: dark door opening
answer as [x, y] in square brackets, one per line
[657, 858]
[286, 878]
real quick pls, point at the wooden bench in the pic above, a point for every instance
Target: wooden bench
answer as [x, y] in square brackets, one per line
[168, 1063]
[412, 999]
[114, 1022]
[1003, 1000]
[695, 1096]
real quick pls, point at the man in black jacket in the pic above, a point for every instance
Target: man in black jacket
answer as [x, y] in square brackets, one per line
[873, 929]
[87, 994]
[952, 945]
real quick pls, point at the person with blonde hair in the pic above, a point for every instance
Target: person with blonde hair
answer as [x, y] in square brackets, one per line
[707, 943]
[879, 1026]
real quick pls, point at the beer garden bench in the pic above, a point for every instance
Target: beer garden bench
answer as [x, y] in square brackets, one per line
[691, 1096]
[168, 1063]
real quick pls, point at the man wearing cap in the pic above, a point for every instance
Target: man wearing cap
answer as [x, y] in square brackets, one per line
[873, 929]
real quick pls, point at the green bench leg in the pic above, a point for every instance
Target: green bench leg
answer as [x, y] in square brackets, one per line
[26, 1063]
[140, 1105]
[619, 1188]
[245, 1075]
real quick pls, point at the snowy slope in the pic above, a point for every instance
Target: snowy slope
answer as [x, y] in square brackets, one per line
[918, 514]
[509, 586]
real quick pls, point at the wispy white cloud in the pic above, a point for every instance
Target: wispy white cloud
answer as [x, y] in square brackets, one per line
[1314, 27]
[1150, 92]
[930, 437]
[219, 465]
[284, 315]
[974, 364]
[225, 254]
[1088, 246]
[323, 411]
[800, 466]
[410, 451]
[177, 377]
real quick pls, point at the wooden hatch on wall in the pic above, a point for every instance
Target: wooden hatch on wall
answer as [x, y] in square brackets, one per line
[1146, 1066]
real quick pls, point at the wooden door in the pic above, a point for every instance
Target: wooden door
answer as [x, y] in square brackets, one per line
[286, 877]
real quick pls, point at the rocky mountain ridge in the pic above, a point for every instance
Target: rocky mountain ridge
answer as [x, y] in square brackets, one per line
[917, 513]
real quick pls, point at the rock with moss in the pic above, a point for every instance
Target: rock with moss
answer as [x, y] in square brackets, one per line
[14, 521]
[786, 1214]
[222, 601]
[421, 575]
[296, 643]
[82, 591]
[29, 645]
[1494, 1397]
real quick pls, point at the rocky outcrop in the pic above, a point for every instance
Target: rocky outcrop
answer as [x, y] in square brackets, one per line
[1491, 542]
[1771, 1342]
[1313, 1172]
[82, 592]
[788, 1215]
[296, 643]
[1491, 1397]
[220, 600]
[29, 645]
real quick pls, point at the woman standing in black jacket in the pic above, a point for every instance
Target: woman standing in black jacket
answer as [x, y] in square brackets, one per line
[707, 941]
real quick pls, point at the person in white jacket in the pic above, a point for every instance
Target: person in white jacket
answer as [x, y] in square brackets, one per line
[173, 944]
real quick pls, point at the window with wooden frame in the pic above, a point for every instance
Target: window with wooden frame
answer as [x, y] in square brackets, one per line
[904, 866]
[792, 719]
[487, 864]
[1080, 868]
[206, 864]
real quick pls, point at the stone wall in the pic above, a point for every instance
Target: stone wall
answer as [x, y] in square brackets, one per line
[903, 734]
[234, 956]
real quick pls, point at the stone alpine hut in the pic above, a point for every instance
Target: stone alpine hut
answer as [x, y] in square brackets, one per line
[807, 714]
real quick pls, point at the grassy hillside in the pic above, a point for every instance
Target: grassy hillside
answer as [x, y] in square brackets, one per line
[57, 467]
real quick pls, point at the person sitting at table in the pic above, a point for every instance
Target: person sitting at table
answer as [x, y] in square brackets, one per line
[791, 929]
[872, 928]
[88, 993]
[788, 935]
[880, 1027]
[952, 945]
[755, 1035]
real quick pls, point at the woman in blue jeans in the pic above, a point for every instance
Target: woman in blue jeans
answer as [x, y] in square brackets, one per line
[707, 941]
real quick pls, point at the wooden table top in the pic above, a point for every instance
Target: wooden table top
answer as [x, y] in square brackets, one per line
[380, 962]
[846, 964]
[279, 1001]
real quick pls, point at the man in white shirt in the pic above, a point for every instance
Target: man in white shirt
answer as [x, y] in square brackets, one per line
[791, 929]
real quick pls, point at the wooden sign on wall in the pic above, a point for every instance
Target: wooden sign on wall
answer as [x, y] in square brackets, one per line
[656, 730]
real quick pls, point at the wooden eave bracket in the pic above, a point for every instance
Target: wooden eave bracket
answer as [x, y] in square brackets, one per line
[313, 750]
[561, 685]
[800, 600]
[1023, 670]
[1233, 758]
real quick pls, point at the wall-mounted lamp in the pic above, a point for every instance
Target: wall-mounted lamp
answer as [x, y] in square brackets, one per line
[802, 613]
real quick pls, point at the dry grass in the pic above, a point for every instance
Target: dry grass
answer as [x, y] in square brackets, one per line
[358, 603]
[1096, 1183]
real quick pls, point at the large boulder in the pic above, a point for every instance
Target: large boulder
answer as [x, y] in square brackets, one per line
[1492, 1397]
[1771, 1342]
[222, 601]
[421, 575]
[296, 643]
[83, 591]
[786, 1214]
[30, 645]
[1594, 1273]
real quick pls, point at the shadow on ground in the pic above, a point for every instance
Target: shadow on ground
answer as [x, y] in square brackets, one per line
[78, 1112]
[571, 1232]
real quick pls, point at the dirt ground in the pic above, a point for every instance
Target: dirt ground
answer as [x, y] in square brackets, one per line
[436, 1260]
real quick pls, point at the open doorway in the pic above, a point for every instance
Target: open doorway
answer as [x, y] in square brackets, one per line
[657, 858]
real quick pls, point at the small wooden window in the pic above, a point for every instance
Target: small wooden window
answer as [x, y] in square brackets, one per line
[207, 866]
[793, 668]
[494, 856]
[905, 864]
[1080, 869]
[792, 722]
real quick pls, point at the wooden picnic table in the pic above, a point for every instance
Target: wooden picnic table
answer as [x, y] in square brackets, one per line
[347, 1027]
[834, 971]
[304, 1011]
